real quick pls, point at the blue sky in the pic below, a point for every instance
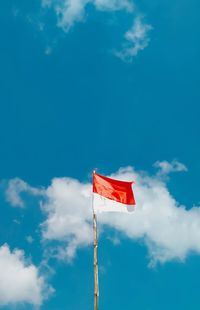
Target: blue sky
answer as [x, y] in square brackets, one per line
[107, 84]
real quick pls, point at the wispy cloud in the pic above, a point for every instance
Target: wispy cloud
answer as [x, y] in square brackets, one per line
[29, 239]
[169, 230]
[165, 168]
[71, 11]
[136, 39]
[114, 5]
[15, 188]
[48, 50]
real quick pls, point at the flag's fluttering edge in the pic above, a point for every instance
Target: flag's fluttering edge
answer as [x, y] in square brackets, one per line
[112, 195]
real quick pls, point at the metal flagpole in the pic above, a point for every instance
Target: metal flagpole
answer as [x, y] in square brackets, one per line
[96, 281]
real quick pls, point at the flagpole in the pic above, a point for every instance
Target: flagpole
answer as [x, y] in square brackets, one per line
[96, 281]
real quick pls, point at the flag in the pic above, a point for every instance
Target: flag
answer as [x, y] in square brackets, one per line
[110, 195]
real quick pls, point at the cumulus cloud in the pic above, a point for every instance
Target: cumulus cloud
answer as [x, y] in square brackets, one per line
[69, 211]
[15, 188]
[169, 230]
[20, 281]
[71, 11]
[136, 39]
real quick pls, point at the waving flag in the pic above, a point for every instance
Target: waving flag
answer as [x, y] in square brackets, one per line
[110, 195]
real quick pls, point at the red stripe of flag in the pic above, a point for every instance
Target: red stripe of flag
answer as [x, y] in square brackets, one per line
[119, 191]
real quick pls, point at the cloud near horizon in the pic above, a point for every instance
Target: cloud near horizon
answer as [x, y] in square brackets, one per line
[168, 229]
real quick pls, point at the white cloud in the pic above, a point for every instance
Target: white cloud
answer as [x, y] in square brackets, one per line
[136, 40]
[169, 230]
[20, 281]
[15, 188]
[68, 209]
[71, 11]
[48, 51]
[114, 5]
[29, 239]
[165, 167]
[47, 3]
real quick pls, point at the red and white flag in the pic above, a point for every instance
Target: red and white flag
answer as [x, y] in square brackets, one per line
[110, 195]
